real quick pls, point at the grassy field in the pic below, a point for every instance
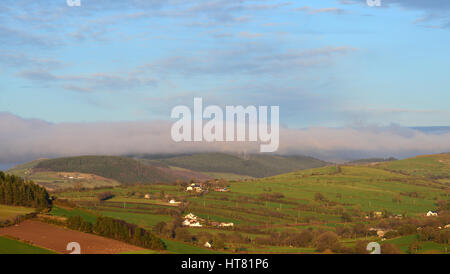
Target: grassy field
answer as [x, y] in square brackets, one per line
[147, 251]
[429, 166]
[60, 180]
[10, 246]
[8, 212]
[286, 202]
[182, 248]
[427, 247]
[66, 212]
[142, 219]
[227, 176]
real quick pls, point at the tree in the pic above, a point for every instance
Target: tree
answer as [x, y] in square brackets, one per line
[218, 243]
[327, 240]
[16, 191]
[388, 248]
[319, 197]
[361, 247]
[414, 247]
[304, 238]
[159, 227]
[183, 234]
[346, 217]
[397, 199]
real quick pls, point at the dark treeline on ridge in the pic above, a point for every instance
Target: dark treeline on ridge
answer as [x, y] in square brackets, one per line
[18, 192]
[124, 170]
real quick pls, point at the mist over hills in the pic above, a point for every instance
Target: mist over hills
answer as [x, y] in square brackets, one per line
[29, 139]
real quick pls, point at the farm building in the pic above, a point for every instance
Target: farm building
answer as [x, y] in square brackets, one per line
[219, 189]
[190, 216]
[431, 213]
[378, 214]
[194, 187]
[147, 196]
[226, 225]
[186, 222]
[381, 233]
[207, 244]
[192, 221]
[173, 202]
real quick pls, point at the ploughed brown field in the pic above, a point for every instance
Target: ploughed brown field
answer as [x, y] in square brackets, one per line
[56, 238]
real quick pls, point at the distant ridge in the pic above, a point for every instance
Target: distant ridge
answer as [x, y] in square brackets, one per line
[149, 169]
[433, 130]
[124, 170]
[372, 160]
[255, 165]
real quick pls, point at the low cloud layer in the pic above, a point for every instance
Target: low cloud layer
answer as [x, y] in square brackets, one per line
[23, 140]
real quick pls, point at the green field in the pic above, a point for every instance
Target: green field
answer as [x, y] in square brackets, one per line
[427, 247]
[8, 212]
[285, 203]
[65, 212]
[182, 248]
[227, 176]
[10, 246]
[147, 251]
[429, 166]
[142, 219]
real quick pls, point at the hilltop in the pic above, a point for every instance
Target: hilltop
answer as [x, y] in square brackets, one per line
[290, 212]
[427, 166]
[98, 171]
[124, 170]
[371, 160]
[102, 171]
[258, 166]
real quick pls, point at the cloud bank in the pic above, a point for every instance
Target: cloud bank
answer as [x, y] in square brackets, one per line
[26, 139]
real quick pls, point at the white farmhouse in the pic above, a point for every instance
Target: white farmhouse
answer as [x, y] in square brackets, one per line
[190, 216]
[186, 222]
[195, 224]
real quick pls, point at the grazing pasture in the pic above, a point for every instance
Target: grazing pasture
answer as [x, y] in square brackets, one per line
[11, 246]
[10, 212]
[330, 198]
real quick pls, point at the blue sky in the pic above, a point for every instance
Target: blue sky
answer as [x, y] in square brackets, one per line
[102, 78]
[325, 63]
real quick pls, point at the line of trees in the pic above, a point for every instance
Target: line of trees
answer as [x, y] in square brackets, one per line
[18, 192]
[118, 230]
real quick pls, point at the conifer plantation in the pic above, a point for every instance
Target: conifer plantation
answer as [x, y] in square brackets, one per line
[18, 192]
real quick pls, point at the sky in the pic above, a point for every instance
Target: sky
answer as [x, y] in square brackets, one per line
[329, 65]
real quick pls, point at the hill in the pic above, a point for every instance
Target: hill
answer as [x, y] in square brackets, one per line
[428, 166]
[121, 169]
[371, 160]
[252, 165]
[100, 171]
[348, 200]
